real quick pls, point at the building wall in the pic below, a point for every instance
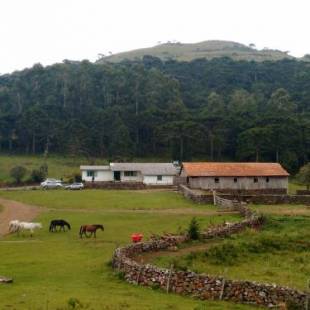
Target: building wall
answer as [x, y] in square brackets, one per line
[108, 176]
[137, 178]
[152, 180]
[100, 176]
[243, 183]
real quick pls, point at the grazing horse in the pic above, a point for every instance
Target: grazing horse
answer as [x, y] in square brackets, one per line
[28, 226]
[90, 228]
[62, 223]
[13, 226]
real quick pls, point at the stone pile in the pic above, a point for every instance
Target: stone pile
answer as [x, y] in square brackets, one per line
[200, 285]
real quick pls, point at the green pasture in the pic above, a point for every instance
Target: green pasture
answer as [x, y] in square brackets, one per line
[54, 270]
[279, 253]
[58, 166]
[102, 199]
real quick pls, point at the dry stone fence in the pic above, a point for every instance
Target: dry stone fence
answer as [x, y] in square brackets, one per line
[202, 286]
[255, 198]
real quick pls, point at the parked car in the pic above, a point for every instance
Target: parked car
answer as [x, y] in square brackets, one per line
[75, 186]
[51, 183]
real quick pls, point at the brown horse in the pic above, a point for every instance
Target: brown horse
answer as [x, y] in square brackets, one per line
[90, 228]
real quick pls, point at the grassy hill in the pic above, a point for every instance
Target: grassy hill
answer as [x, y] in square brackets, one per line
[206, 49]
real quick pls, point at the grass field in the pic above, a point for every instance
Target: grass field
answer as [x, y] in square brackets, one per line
[280, 254]
[100, 199]
[58, 166]
[49, 269]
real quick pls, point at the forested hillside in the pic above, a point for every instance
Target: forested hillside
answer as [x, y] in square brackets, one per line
[217, 109]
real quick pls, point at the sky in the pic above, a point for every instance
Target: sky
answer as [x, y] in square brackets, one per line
[49, 31]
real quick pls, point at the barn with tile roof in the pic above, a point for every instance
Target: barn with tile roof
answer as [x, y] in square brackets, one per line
[264, 177]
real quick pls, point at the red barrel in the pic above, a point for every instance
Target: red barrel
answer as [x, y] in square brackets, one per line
[136, 237]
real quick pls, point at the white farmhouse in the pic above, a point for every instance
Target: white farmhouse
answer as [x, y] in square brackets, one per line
[146, 173]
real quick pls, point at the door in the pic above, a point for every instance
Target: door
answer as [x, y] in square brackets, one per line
[117, 175]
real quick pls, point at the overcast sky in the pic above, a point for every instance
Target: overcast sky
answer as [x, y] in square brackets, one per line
[49, 31]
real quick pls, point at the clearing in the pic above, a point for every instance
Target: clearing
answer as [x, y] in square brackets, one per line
[54, 270]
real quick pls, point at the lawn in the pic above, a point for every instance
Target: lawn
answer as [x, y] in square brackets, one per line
[52, 270]
[293, 186]
[102, 199]
[280, 253]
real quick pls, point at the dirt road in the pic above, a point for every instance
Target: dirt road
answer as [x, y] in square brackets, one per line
[13, 210]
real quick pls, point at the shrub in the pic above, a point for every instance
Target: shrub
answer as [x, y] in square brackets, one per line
[17, 173]
[37, 176]
[74, 303]
[193, 229]
[78, 178]
[226, 254]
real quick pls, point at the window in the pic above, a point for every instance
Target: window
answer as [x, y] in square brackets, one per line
[90, 173]
[159, 178]
[130, 173]
[235, 180]
[267, 180]
[255, 179]
[216, 180]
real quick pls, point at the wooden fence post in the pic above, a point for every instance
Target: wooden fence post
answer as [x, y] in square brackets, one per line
[223, 288]
[140, 271]
[169, 277]
[214, 199]
[307, 295]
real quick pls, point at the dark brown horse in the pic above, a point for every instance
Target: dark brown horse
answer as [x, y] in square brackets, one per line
[90, 228]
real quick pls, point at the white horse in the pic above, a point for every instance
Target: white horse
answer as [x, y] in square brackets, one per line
[28, 226]
[13, 226]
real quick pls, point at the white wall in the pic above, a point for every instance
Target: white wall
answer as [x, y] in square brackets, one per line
[137, 178]
[152, 180]
[243, 183]
[100, 176]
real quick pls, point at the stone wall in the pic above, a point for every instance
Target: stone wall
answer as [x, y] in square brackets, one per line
[303, 192]
[202, 286]
[123, 185]
[205, 197]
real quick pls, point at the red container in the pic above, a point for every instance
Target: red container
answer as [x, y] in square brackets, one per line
[136, 237]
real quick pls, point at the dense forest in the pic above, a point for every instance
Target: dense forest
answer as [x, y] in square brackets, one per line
[217, 109]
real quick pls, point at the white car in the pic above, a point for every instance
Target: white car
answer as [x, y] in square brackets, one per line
[75, 186]
[51, 183]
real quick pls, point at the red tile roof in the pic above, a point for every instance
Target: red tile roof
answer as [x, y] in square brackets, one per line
[233, 169]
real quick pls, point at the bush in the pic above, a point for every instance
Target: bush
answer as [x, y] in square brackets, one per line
[226, 254]
[78, 178]
[74, 303]
[193, 229]
[17, 173]
[39, 175]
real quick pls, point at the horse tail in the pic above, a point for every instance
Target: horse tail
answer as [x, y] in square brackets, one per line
[51, 226]
[81, 231]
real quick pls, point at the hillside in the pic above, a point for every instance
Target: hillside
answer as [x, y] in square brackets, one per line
[206, 49]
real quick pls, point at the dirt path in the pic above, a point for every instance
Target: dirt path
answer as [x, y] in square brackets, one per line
[149, 257]
[13, 210]
[183, 211]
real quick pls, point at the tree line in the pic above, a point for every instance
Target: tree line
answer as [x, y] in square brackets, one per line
[217, 109]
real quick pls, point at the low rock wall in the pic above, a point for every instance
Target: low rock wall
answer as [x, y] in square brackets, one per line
[200, 285]
[302, 192]
[206, 198]
[123, 185]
